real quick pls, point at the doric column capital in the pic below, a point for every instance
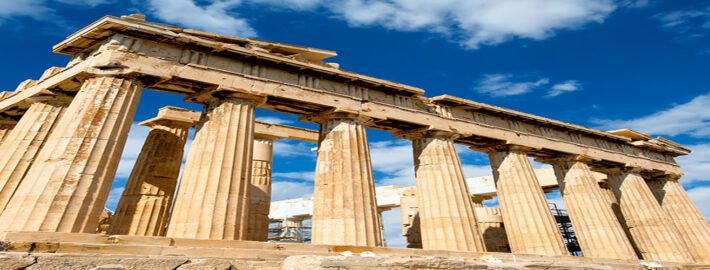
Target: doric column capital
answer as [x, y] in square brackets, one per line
[562, 159]
[173, 117]
[414, 134]
[502, 147]
[478, 199]
[216, 95]
[334, 115]
[53, 98]
[666, 177]
[619, 169]
[6, 121]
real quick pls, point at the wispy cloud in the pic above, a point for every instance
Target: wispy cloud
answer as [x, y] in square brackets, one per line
[134, 143]
[284, 190]
[215, 16]
[273, 120]
[471, 23]
[392, 223]
[39, 9]
[307, 176]
[686, 23]
[91, 3]
[476, 23]
[23, 8]
[503, 85]
[701, 197]
[696, 166]
[691, 118]
[294, 149]
[393, 159]
[564, 87]
[635, 3]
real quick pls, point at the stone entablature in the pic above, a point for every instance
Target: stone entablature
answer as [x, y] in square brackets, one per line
[186, 61]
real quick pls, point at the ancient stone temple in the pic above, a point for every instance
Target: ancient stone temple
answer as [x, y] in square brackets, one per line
[62, 135]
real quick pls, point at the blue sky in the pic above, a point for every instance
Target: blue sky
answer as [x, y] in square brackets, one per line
[601, 63]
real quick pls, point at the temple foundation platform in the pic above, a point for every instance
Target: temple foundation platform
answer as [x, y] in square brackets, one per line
[43, 250]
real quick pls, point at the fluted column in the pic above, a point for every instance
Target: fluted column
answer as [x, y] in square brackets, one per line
[6, 125]
[653, 234]
[260, 190]
[690, 223]
[148, 195]
[490, 223]
[529, 224]
[409, 213]
[599, 233]
[447, 218]
[67, 186]
[344, 203]
[213, 197]
[22, 144]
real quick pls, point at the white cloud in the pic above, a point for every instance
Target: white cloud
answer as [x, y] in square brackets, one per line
[273, 120]
[134, 143]
[217, 16]
[476, 170]
[503, 85]
[291, 4]
[284, 190]
[564, 87]
[308, 176]
[701, 198]
[285, 148]
[470, 22]
[394, 159]
[17, 8]
[476, 22]
[635, 3]
[90, 3]
[38, 9]
[691, 118]
[696, 165]
[392, 222]
[688, 23]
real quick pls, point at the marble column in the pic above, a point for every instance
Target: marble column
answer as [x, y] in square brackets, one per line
[6, 125]
[652, 232]
[22, 144]
[598, 231]
[447, 218]
[690, 223]
[66, 187]
[212, 201]
[146, 200]
[409, 213]
[529, 224]
[344, 203]
[260, 189]
[490, 222]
